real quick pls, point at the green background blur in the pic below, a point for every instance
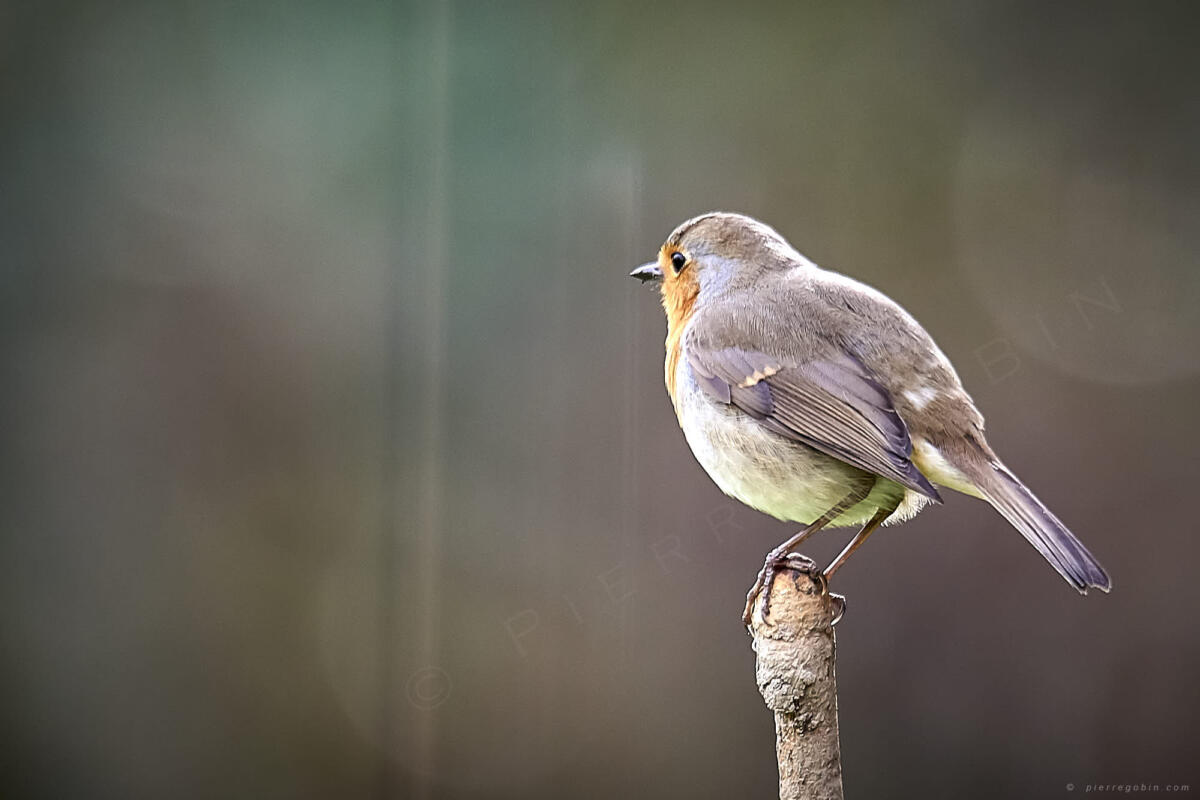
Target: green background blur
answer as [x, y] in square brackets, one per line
[337, 459]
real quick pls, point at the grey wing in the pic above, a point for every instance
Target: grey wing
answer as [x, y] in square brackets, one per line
[831, 404]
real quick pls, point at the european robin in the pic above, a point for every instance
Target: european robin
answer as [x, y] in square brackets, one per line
[817, 399]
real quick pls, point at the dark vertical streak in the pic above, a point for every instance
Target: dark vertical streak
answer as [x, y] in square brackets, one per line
[630, 228]
[411, 518]
[429, 505]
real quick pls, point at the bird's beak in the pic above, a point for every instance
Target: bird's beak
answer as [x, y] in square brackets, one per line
[647, 272]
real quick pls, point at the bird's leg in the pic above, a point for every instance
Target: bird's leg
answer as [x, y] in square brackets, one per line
[779, 555]
[856, 542]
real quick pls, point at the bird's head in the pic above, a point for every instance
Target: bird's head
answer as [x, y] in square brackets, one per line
[714, 253]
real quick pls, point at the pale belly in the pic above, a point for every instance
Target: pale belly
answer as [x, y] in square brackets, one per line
[780, 477]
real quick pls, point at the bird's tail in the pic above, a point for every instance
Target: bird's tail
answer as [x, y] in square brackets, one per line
[1043, 530]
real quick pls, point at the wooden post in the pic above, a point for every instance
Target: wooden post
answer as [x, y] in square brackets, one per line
[796, 676]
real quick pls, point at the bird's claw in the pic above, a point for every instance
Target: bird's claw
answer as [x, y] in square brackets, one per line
[839, 608]
[766, 578]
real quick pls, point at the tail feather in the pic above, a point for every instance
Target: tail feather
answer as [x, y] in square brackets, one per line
[1043, 530]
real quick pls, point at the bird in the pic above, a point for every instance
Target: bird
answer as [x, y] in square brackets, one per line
[817, 399]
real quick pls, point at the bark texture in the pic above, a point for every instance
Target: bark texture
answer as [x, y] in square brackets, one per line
[796, 675]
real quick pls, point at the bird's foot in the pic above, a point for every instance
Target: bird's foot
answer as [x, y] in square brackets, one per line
[837, 600]
[839, 606]
[766, 577]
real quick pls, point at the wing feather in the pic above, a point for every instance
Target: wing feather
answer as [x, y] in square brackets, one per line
[831, 404]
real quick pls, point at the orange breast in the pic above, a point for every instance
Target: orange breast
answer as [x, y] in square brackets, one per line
[679, 301]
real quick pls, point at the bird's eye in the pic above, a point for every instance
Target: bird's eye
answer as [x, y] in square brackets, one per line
[678, 260]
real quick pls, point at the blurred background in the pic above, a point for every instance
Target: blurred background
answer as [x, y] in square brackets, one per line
[337, 460]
